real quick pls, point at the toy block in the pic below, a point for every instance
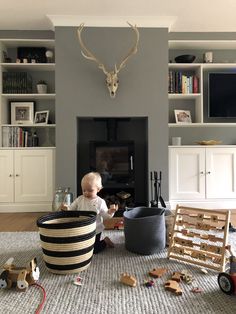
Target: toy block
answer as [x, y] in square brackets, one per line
[173, 286]
[128, 280]
[157, 272]
[176, 276]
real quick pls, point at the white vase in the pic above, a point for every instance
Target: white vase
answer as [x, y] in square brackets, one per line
[42, 88]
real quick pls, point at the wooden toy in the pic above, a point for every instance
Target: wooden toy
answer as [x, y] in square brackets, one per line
[205, 248]
[186, 276]
[196, 290]
[21, 277]
[227, 281]
[173, 286]
[128, 280]
[119, 225]
[176, 276]
[157, 272]
[149, 283]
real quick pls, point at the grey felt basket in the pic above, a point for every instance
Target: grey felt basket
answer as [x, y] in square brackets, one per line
[145, 231]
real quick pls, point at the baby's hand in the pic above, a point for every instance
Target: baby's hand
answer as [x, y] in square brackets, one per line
[64, 207]
[113, 208]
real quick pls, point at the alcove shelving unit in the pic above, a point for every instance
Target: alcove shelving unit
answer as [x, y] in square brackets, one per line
[27, 173]
[224, 60]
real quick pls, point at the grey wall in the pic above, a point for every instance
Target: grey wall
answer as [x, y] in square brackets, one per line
[80, 91]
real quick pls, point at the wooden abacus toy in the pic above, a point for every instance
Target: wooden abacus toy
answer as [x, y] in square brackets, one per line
[199, 236]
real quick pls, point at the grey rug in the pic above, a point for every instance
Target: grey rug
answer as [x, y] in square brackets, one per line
[101, 292]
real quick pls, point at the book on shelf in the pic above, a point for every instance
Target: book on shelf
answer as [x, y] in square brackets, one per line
[16, 83]
[14, 136]
[179, 83]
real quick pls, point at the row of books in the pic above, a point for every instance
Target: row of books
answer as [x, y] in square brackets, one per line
[179, 83]
[17, 137]
[16, 83]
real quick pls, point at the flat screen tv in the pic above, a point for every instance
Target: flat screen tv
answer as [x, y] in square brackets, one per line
[114, 160]
[222, 95]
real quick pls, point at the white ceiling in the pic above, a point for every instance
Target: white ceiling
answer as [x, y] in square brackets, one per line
[177, 15]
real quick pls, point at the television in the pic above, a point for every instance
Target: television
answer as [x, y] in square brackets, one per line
[222, 95]
[114, 160]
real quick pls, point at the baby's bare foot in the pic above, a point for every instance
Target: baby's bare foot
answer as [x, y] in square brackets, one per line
[109, 243]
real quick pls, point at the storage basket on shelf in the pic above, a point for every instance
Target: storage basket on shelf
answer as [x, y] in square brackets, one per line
[67, 239]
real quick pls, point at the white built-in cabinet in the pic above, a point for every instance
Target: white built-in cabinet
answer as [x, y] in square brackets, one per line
[202, 174]
[27, 179]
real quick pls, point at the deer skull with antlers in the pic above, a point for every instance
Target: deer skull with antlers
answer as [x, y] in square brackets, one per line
[112, 80]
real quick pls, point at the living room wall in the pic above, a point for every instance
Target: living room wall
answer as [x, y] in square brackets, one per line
[81, 91]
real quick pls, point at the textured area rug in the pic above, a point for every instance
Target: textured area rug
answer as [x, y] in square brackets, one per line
[101, 292]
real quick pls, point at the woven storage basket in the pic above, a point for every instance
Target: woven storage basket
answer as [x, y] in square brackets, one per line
[67, 240]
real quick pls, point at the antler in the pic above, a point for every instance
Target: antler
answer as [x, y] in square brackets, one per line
[132, 51]
[87, 53]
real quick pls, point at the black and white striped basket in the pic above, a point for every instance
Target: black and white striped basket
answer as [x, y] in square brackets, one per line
[67, 239]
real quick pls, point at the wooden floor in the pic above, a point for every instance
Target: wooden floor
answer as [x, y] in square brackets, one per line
[27, 221]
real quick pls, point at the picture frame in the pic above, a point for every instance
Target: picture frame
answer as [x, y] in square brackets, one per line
[22, 112]
[183, 116]
[41, 117]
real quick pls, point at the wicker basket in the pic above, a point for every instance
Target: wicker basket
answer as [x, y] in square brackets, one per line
[67, 240]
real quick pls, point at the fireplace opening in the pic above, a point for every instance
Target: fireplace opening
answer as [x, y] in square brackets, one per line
[110, 146]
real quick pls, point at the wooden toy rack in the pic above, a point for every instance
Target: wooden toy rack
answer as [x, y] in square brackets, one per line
[199, 236]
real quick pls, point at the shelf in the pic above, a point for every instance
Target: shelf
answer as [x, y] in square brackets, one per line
[187, 66]
[184, 96]
[29, 96]
[29, 66]
[31, 125]
[12, 43]
[192, 125]
[203, 44]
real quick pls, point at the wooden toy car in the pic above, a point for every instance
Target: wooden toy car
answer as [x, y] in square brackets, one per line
[21, 277]
[128, 280]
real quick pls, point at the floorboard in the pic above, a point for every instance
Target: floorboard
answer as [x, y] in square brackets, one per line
[10, 222]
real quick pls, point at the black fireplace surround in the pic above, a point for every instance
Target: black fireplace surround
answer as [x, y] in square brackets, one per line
[117, 149]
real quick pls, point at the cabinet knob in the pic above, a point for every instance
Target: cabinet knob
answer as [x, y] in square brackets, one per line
[10, 175]
[17, 175]
[201, 172]
[208, 172]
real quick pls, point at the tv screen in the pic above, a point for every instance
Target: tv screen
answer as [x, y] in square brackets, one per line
[114, 160]
[222, 95]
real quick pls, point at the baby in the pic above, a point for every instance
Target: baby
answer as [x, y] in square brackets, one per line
[91, 184]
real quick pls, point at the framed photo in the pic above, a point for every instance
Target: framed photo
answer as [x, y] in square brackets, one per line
[41, 117]
[183, 116]
[22, 112]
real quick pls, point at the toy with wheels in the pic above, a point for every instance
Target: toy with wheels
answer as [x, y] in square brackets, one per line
[227, 281]
[20, 277]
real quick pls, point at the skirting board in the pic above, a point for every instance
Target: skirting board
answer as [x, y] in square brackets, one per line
[19, 208]
[219, 204]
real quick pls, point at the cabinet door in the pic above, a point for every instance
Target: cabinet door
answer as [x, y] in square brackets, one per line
[6, 176]
[34, 173]
[220, 172]
[187, 173]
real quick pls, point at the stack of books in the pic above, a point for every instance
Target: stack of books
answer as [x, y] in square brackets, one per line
[16, 83]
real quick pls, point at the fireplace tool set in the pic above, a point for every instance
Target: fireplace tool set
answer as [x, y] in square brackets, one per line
[156, 189]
